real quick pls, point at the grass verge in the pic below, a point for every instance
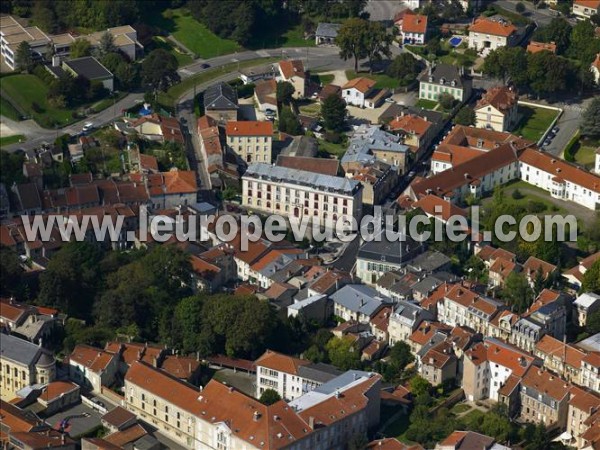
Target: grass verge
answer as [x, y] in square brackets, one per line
[8, 110]
[535, 122]
[9, 140]
[426, 104]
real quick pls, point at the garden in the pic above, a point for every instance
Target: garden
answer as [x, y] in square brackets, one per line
[534, 122]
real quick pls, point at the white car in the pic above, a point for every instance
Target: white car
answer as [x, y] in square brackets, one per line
[88, 126]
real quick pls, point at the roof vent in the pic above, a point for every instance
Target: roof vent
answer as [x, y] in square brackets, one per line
[256, 416]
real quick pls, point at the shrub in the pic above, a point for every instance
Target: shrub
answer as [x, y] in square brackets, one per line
[535, 207]
[517, 195]
[40, 72]
[246, 90]
[333, 137]
[36, 107]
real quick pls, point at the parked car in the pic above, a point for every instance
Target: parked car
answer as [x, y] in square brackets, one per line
[390, 100]
[88, 126]
[555, 130]
[204, 66]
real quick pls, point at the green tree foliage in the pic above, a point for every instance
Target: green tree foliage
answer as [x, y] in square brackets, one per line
[465, 116]
[333, 111]
[520, 7]
[377, 42]
[11, 168]
[106, 45]
[159, 69]
[419, 386]
[125, 73]
[404, 67]
[446, 101]
[76, 332]
[71, 280]
[289, 123]
[269, 397]
[400, 356]
[591, 279]
[507, 62]
[584, 43]
[351, 40]
[10, 273]
[285, 91]
[517, 293]
[547, 72]
[428, 429]
[187, 324]
[590, 125]
[593, 321]
[81, 47]
[43, 16]
[342, 353]
[557, 31]
[23, 58]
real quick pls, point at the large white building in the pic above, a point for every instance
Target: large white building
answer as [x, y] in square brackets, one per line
[487, 34]
[297, 194]
[444, 79]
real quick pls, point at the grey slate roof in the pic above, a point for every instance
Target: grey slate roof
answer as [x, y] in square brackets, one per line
[360, 298]
[220, 96]
[328, 30]
[319, 372]
[22, 352]
[367, 138]
[88, 67]
[430, 261]
[409, 313]
[386, 251]
[327, 183]
[444, 72]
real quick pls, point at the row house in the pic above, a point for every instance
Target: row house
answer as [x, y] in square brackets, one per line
[357, 302]
[290, 377]
[405, 320]
[378, 180]
[425, 333]
[544, 398]
[299, 194]
[491, 369]
[574, 275]
[92, 368]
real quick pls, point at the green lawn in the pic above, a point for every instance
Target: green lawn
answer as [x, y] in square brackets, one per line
[282, 34]
[192, 34]
[540, 196]
[460, 408]
[312, 109]
[29, 89]
[382, 80]
[8, 110]
[8, 140]
[534, 122]
[336, 150]
[585, 155]
[472, 418]
[426, 104]
[448, 55]
[168, 99]
[321, 79]
[182, 58]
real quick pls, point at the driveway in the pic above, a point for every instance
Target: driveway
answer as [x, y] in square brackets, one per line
[381, 10]
[368, 114]
[568, 124]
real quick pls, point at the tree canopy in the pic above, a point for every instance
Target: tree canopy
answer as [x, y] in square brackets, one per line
[269, 396]
[159, 69]
[465, 116]
[333, 111]
[342, 353]
[80, 47]
[590, 125]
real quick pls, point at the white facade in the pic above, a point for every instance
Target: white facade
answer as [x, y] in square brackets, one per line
[354, 97]
[489, 42]
[254, 148]
[582, 10]
[493, 119]
[288, 386]
[413, 38]
[432, 90]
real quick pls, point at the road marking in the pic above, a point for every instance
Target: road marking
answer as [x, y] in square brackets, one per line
[234, 59]
[186, 71]
[263, 53]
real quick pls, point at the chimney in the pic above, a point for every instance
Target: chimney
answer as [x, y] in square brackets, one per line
[311, 422]
[154, 361]
[256, 416]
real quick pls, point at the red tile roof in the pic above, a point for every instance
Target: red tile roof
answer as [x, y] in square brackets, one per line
[361, 84]
[502, 98]
[493, 27]
[546, 382]
[181, 367]
[131, 434]
[391, 444]
[118, 417]
[180, 182]
[291, 68]
[414, 23]
[410, 124]
[55, 389]
[535, 47]
[436, 206]
[92, 358]
[583, 400]
[503, 267]
[502, 354]
[250, 128]
[280, 362]
[552, 347]
[594, 4]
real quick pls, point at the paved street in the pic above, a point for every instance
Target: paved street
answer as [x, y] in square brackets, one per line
[384, 9]
[541, 16]
[569, 124]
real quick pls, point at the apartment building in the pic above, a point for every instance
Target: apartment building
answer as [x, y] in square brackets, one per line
[377, 178]
[404, 321]
[560, 357]
[444, 79]
[498, 109]
[12, 33]
[438, 363]
[487, 34]
[250, 140]
[590, 372]
[584, 408]
[418, 132]
[585, 305]
[585, 9]
[357, 302]
[92, 368]
[298, 194]
[290, 377]
[544, 398]
[23, 364]
[491, 369]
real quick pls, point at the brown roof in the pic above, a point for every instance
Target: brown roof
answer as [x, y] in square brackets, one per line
[381, 320]
[410, 124]
[426, 330]
[439, 355]
[135, 351]
[509, 385]
[205, 122]
[583, 400]
[180, 366]
[118, 417]
[249, 128]
[533, 264]
[414, 23]
[503, 267]
[290, 68]
[315, 165]
[280, 362]
[502, 354]
[493, 27]
[43, 439]
[329, 89]
[330, 279]
[535, 47]
[567, 171]
[92, 358]
[266, 91]
[467, 440]
[361, 84]
[55, 389]
[10, 310]
[501, 97]
[131, 434]
[180, 182]
[436, 206]
[544, 298]
[551, 346]
[594, 4]
[14, 418]
[391, 444]
[546, 382]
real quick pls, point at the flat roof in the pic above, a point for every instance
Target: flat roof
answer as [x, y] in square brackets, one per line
[88, 67]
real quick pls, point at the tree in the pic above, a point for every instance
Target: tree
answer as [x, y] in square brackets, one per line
[352, 41]
[80, 47]
[434, 46]
[590, 125]
[23, 58]
[404, 67]
[11, 271]
[584, 44]
[591, 279]
[159, 69]
[547, 72]
[593, 322]
[377, 43]
[507, 62]
[520, 8]
[401, 356]
[465, 116]
[333, 111]
[419, 386]
[289, 123]
[285, 91]
[269, 397]
[342, 353]
[557, 31]
[106, 44]
[446, 101]
[517, 292]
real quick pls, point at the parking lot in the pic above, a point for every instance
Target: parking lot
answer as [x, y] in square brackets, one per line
[81, 419]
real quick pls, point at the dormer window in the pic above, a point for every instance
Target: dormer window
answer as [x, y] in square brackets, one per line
[442, 80]
[453, 83]
[430, 79]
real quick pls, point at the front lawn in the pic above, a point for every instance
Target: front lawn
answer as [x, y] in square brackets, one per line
[32, 94]
[192, 34]
[8, 110]
[534, 122]
[9, 140]
[426, 104]
[282, 34]
[312, 109]
[382, 80]
[322, 79]
[182, 58]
